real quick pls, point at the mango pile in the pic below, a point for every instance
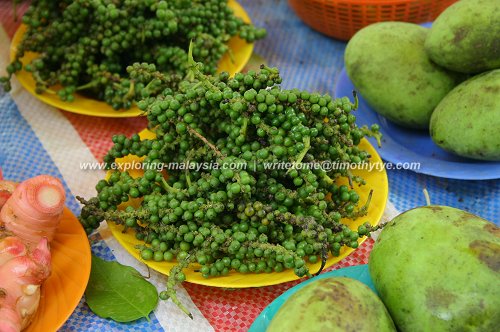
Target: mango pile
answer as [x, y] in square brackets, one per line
[445, 79]
[426, 281]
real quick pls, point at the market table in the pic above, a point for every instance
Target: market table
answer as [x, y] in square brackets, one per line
[36, 138]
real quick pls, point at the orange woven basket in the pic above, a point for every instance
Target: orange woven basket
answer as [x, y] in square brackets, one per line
[341, 19]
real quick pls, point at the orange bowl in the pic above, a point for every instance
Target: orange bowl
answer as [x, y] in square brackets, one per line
[63, 290]
[341, 19]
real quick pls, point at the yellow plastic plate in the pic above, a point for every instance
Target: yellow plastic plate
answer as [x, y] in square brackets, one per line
[63, 290]
[241, 52]
[375, 180]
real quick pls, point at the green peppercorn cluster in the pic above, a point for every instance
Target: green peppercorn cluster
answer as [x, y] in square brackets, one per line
[86, 45]
[249, 219]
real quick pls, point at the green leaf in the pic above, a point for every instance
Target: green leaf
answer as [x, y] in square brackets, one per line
[119, 292]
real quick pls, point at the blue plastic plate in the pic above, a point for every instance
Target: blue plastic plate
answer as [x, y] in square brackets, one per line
[402, 145]
[358, 272]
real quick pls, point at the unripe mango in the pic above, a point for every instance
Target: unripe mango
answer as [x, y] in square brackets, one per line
[389, 67]
[335, 304]
[467, 121]
[437, 268]
[466, 37]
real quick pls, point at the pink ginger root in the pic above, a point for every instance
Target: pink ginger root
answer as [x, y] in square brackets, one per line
[22, 271]
[11, 247]
[34, 209]
[29, 216]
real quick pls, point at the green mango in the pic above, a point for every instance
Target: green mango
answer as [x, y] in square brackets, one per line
[335, 304]
[437, 268]
[467, 121]
[389, 67]
[466, 37]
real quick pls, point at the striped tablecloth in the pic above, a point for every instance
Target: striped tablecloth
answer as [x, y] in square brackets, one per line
[36, 138]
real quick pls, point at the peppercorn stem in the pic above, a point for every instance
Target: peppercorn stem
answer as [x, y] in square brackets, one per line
[213, 147]
[302, 154]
